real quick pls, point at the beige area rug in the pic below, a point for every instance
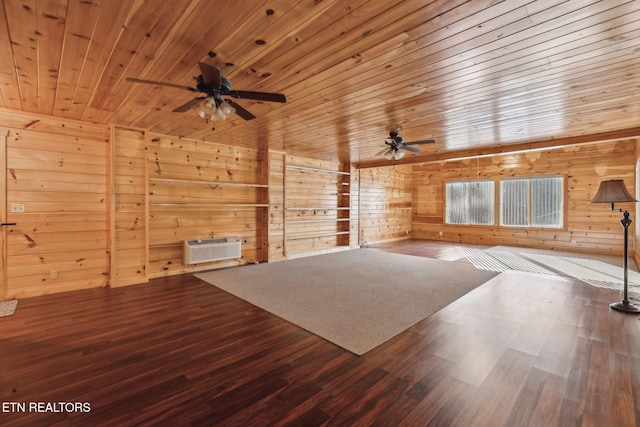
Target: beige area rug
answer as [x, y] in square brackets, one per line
[8, 308]
[357, 299]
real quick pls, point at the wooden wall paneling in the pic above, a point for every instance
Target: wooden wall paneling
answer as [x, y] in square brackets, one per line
[636, 252]
[588, 228]
[285, 201]
[9, 88]
[201, 189]
[173, 224]
[129, 254]
[51, 21]
[23, 45]
[262, 241]
[317, 206]
[58, 171]
[455, 50]
[4, 133]
[52, 126]
[143, 35]
[385, 203]
[202, 193]
[354, 211]
[79, 22]
[277, 212]
[313, 245]
[170, 225]
[203, 161]
[92, 76]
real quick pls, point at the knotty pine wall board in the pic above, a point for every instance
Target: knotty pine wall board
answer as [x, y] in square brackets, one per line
[385, 203]
[275, 170]
[353, 214]
[58, 169]
[588, 228]
[200, 190]
[129, 223]
[197, 189]
[316, 206]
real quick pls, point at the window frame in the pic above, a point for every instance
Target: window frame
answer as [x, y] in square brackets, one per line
[562, 225]
[470, 181]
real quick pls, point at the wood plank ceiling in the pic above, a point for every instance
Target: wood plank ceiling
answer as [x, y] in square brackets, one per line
[469, 74]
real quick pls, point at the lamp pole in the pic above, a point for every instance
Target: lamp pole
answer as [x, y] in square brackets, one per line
[625, 305]
[613, 191]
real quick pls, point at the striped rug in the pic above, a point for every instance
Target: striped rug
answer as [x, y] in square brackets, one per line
[578, 266]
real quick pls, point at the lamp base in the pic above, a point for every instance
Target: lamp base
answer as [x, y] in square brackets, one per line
[625, 306]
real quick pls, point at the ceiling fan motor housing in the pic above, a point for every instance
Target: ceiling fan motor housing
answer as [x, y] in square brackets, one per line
[225, 87]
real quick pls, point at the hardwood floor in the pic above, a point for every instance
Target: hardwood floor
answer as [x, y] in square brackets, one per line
[520, 350]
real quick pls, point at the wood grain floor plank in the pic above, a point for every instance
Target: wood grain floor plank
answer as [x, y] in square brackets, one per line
[547, 410]
[520, 350]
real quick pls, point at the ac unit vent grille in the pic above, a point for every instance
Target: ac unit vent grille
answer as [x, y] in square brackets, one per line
[209, 250]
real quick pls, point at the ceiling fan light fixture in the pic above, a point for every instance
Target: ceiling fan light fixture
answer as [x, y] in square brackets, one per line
[225, 110]
[398, 147]
[216, 116]
[210, 109]
[205, 107]
[214, 85]
[198, 108]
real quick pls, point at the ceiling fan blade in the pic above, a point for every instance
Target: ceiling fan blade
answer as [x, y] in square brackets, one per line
[381, 152]
[426, 141]
[259, 96]
[412, 149]
[242, 112]
[151, 82]
[212, 76]
[188, 105]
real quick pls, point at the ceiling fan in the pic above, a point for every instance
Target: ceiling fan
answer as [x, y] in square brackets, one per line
[214, 86]
[396, 146]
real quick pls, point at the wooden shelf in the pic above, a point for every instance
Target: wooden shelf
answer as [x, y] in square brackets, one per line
[317, 209]
[207, 183]
[312, 236]
[208, 206]
[303, 221]
[306, 221]
[307, 169]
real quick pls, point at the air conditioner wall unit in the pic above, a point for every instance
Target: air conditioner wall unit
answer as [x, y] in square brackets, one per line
[209, 250]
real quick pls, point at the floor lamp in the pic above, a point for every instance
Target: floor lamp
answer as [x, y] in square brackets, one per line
[612, 192]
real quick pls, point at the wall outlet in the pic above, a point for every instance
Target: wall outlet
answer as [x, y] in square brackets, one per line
[439, 233]
[53, 274]
[17, 207]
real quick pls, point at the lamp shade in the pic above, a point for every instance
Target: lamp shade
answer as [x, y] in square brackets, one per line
[613, 191]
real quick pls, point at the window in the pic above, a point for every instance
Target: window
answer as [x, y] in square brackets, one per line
[532, 202]
[469, 202]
